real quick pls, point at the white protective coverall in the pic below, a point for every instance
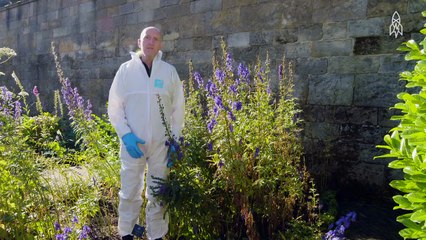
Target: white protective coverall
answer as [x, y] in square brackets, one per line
[133, 107]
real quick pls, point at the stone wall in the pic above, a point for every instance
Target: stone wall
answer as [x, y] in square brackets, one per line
[346, 64]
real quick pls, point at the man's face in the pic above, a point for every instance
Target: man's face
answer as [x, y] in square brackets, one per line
[150, 42]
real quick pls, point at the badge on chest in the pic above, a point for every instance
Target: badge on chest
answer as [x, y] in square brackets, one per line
[158, 83]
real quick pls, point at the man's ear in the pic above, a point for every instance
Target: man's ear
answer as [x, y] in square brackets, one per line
[139, 43]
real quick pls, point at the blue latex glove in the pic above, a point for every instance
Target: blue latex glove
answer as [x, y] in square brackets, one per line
[131, 141]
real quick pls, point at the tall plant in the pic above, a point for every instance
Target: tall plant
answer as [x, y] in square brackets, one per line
[406, 143]
[241, 174]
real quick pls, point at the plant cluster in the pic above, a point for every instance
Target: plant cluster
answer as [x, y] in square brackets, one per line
[53, 166]
[237, 171]
[240, 172]
[406, 144]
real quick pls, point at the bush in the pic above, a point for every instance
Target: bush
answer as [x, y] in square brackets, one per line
[241, 174]
[407, 144]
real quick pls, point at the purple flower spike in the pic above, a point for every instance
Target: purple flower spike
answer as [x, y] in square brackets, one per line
[220, 75]
[57, 226]
[229, 61]
[199, 79]
[35, 91]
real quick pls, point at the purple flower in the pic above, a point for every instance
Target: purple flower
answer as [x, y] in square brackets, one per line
[259, 74]
[268, 90]
[231, 128]
[233, 88]
[211, 125]
[256, 153]
[220, 76]
[61, 237]
[75, 219]
[88, 111]
[35, 91]
[231, 116]
[218, 101]
[211, 88]
[221, 163]
[199, 79]
[18, 110]
[84, 232]
[216, 110]
[280, 72]
[163, 190]
[238, 105]
[57, 226]
[210, 146]
[229, 61]
[244, 73]
[67, 231]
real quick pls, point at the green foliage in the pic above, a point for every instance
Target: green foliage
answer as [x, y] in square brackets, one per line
[56, 169]
[407, 144]
[241, 174]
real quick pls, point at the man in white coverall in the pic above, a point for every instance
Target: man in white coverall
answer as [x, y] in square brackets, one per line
[134, 112]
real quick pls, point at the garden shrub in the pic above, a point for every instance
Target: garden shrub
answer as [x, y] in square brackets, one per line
[406, 144]
[58, 173]
[241, 173]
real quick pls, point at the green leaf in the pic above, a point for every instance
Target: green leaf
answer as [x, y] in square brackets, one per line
[416, 197]
[418, 216]
[405, 219]
[412, 45]
[402, 202]
[397, 164]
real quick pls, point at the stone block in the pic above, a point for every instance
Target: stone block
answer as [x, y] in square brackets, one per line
[151, 4]
[376, 90]
[310, 33]
[315, 66]
[237, 3]
[363, 28]
[393, 63]
[384, 117]
[146, 16]
[380, 8]
[262, 38]
[368, 174]
[331, 89]
[226, 21]
[255, 17]
[332, 48]
[172, 11]
[241, 39]
[61, 31]
[347, 10]
[126, 8]
[285, 36]
[168, 46]
[354, 115]
[105, 24]
[202, 43]
[298, 50]
[200, 56]
[131, 18]
[171, 36]
[321, 130]
[164, 3]
[416, 6]
[185, 44]
[87, 7]
[353, 64]
[205, 6]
